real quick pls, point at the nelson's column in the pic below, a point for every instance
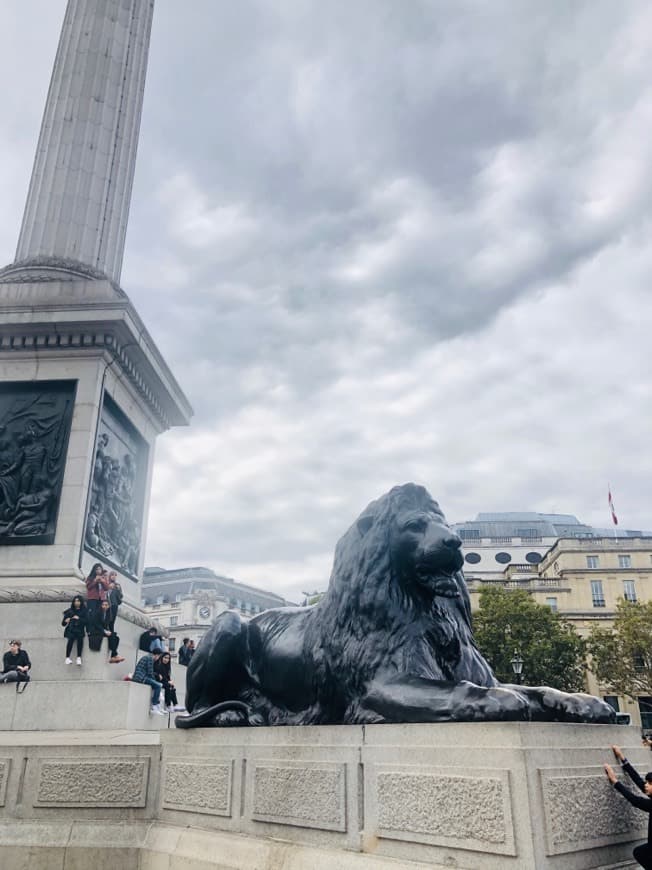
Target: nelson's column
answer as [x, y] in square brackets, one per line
[83, 389]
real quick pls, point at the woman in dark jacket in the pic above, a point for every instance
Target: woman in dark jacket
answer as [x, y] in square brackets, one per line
[163, 673]
[642, 853]
[75, 621]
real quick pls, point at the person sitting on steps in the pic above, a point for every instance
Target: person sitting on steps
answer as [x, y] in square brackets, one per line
[75, 621]
[99, 626]
[15, 664]
[163, 673]
[144, 673]
[151, 641]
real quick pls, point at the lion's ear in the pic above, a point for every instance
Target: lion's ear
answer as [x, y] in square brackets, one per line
[364, 524]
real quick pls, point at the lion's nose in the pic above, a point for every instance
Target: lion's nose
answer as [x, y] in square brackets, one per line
[452, 541]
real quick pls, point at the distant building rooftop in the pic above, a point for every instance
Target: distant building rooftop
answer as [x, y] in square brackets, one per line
[168, 584]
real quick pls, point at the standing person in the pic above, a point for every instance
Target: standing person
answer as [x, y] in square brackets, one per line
[144, 673]
[75, 619]
[114, 595]
[191, 650]
[95, 588]
[642, 853]
[163, 673]
[15, 664]
[151, 641]
[183, 655]
[100, 625]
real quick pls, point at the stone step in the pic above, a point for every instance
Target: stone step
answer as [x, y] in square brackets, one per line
[84, 705]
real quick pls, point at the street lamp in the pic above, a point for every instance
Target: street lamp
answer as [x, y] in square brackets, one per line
[517, 666]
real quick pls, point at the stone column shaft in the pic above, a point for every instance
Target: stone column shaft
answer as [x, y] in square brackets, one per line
[78, 201]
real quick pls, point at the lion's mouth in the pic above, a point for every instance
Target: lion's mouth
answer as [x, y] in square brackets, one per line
[443, 585]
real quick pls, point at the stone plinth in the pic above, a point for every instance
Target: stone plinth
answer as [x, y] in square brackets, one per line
[527, 797]
[83, 705]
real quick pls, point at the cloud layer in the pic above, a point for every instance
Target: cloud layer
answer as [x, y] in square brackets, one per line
[381, 242]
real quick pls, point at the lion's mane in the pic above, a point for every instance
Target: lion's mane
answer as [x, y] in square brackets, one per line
[371, 619]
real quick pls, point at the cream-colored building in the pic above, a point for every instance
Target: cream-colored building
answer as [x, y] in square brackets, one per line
[186, 601]
[583, 579]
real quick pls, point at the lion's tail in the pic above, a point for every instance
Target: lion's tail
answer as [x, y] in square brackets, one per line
[201, 717]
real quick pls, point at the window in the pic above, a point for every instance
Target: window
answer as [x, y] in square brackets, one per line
[597, 593]
[469, 534]
[629, 590]
[503, 558]
[624, 561]
[613, 702]
[177, 598]
[472, 558]
[174, 620]
[172, 642]
[592, 562]
[533, 558]
[645, 709]
[527, 533]
[552, 603]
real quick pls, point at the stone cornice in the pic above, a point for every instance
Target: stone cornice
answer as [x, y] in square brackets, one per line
[41, 594]
[87, 316]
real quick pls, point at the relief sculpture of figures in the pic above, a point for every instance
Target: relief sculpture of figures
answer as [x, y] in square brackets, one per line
[34, 429]
[391, 641]
[112, 528]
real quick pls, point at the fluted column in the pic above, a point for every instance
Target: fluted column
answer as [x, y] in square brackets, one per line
[78, 201]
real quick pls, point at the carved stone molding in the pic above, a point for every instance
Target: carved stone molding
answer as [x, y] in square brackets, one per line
[445, 807]
[5, 767]
[197, 786]
[102, 782]
[39, 594]
[306, 794]
[569, 827]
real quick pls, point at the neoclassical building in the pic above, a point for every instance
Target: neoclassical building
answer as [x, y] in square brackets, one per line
[187, 600]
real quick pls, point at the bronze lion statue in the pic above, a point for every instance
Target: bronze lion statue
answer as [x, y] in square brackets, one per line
[391, 641]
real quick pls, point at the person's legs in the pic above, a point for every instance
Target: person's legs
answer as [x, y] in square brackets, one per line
[156, 645]
[156, 690]
[114, 642]
[69, 645]
[643, 854]
[80, 645]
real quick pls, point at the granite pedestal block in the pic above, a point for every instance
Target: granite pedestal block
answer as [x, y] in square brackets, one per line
[384, 797]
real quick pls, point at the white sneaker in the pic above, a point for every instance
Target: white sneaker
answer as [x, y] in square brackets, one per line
[78, 662]
[156, 710]
[68, 661]
[171, 708]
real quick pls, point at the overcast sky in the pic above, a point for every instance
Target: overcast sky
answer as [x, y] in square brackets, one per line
[376, 242]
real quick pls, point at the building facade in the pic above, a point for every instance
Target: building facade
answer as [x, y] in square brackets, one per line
[187, 600]
[583, 578]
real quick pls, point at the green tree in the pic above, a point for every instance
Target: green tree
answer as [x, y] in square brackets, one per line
[553, 653]
[621, 657]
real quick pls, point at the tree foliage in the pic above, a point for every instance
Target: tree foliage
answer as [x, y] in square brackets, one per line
[621, 657]
[553, 653]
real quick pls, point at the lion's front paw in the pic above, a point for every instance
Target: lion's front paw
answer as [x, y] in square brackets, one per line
[578, 707]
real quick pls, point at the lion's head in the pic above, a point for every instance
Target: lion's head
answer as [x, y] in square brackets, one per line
[397, 596]
[400, 544]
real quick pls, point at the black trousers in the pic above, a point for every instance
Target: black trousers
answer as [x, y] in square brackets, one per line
[71, 643]
[643, 854]
[170, 695]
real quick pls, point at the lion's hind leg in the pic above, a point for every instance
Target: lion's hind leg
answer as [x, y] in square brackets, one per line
[217, 671]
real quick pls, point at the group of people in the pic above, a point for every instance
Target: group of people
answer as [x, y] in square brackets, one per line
[154, 669]
[94, 616]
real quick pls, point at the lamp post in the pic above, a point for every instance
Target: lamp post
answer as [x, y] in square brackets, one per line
[517, 666]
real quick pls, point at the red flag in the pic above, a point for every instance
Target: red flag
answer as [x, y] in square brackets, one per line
[611, 508]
